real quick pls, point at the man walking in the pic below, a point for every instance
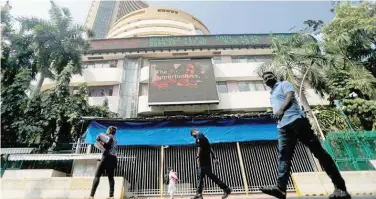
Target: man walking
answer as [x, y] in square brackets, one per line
[204, 167]
[292, 126]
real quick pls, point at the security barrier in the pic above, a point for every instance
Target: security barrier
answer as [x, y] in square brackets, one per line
[318, 183]
[352, 150]
[57, 188]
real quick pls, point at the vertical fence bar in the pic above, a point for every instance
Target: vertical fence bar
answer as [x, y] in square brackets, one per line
[161, 176]
[242, 168]
[88, 150]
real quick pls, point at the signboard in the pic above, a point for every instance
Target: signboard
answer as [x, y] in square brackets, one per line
[199, 41]
[176, 82]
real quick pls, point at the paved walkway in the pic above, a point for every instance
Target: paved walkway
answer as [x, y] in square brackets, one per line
[258, 196]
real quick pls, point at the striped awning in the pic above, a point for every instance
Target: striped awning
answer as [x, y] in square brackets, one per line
[31, 157]
[16, 150]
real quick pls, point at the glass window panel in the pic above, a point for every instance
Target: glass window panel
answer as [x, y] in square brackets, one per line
[243, 86]
[217, 60]
[260, 86]
[222, 87]
[252, 86]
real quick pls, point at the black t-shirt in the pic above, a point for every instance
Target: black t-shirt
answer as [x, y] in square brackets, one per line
[204, 144]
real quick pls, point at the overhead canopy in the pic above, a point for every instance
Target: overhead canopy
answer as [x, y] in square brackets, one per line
[157, 133]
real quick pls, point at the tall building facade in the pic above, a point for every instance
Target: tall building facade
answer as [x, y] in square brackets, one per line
[163, 86]
[157, 21]
[119, 70]
[103, 14]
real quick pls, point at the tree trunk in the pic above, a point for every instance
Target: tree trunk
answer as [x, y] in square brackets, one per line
[310, 115]
[305, 103]
[39, 84]
[55, 135]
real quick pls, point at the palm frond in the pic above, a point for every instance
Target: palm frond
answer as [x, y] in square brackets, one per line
[55, 13]
[28, 24]
[363, 80]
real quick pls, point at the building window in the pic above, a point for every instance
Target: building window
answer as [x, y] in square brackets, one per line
[239, 59]
[100, 91]
[100, 64]
[260, 86]
[217, 60]
[250, 58]
[222, 87]
[245, 86]
[262, 58]
[144, 89]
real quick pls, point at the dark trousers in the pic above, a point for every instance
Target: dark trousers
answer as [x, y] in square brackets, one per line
[108, 164]
[301, 130]
[203, 171]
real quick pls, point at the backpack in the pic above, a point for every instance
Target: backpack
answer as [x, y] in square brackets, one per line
[166, 179]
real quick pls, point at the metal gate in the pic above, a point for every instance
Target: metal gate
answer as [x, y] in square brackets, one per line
[143, 170]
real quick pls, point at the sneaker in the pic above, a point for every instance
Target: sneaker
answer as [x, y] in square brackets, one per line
[197, 196]
[339, 194]
[226, 193]
[274, 191]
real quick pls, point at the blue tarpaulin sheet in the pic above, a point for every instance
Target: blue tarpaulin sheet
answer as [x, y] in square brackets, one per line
[158, 133]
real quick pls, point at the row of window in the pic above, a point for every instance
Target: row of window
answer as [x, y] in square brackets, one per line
[241, 86]
[226, 87]
[97, 91]
[244, 59]
[100, 64]
[216, 60]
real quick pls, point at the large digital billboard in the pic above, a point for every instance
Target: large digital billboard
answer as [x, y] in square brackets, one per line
[177, 82]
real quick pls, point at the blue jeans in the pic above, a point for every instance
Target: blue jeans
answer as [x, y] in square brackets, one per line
[203, 171]
[301, 130]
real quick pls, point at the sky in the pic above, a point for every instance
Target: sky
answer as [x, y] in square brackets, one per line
[221, 17]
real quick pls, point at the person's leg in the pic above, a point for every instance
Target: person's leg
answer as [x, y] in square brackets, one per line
[200, 179]
[286, 146]
[111, 166]
[208, 171]
[307, 136]
[97, 177]
[216, 180]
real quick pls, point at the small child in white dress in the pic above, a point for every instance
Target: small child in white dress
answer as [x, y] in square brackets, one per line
[173, 179]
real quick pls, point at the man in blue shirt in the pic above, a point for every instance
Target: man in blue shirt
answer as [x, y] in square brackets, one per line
[204, 167]
[292, 126]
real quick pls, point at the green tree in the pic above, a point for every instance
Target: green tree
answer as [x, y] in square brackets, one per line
[13, 103]
[50, 117]
[57, 42]
[298, 59]
[352, 33]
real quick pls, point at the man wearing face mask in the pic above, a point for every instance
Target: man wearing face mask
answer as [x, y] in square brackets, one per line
[292, 126]
[204, 167]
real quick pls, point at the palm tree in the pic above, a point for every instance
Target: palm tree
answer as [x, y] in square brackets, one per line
[298, 60]
[57, 42]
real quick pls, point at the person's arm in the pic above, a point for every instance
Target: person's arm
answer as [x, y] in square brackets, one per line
[109, 143]
[288, 101]
[199, 149]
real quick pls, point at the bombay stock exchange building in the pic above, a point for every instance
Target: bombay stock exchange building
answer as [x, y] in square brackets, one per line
[103, 14]
[149, 81]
